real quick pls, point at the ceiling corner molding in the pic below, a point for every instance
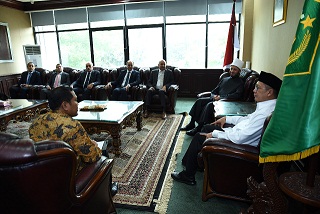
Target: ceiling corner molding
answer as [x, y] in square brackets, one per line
[12, 4]
[61, 4]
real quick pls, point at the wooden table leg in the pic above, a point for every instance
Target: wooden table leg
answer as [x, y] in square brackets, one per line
[139, 120]
[116, 142]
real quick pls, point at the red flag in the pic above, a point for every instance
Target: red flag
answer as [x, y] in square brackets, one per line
[232, 41]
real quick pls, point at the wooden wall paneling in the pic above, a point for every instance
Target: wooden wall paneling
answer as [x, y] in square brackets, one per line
[2, 86]
[185, 84]
[7, 82]
[195, 81]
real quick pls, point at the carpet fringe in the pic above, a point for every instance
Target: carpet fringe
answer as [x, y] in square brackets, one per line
[164, 196]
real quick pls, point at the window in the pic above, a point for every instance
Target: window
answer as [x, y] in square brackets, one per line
[106, 16]
[217, 40]
[49, 50]
[186, 45]
[145, 46]
[75, 48]
[108, 48]
[188, 34]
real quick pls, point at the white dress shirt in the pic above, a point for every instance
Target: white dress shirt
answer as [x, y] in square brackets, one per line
[248, 129]
[160, 79]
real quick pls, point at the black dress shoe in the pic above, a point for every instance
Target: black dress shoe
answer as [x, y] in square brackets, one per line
[183, 178]
[114, 188]
[193, 131]
[188, 127]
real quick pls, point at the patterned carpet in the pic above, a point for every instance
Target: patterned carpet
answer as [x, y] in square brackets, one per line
[139, 168]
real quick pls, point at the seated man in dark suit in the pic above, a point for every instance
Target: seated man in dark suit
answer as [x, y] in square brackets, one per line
[159, 82]
[228, 88]
[58, 78]
[246, 130]
[28, 78]
[126, 79]
[86, 81]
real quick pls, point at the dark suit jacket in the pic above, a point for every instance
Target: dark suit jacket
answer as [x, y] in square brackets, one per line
[133, 81]
[34, 79]
[94, 78]
[65, 79]
[168, 79]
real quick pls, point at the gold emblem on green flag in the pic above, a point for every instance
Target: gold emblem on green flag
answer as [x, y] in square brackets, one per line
[293, 132]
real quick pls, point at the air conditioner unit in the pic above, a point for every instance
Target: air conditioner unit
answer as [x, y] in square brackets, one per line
[32, 53]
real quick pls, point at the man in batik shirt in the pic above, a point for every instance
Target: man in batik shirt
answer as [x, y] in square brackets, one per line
[58, 124]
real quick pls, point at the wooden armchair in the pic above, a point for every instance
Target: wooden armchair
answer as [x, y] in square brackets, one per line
[104, 94]
[227, 166]
[41, 178]
[172, 92]
[249, 77]
[34, 91]
[45, 76]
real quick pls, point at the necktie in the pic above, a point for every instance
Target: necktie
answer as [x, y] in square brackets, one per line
[28, 78]
[57, 81]
[127, 78]
[87, 79]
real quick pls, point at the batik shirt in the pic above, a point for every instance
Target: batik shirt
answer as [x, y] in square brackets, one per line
[59, 126]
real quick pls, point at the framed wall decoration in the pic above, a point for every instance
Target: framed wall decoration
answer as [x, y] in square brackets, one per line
[279, 12]
[5, 44]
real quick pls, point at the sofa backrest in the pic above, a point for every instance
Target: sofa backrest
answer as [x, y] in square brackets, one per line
[73, 73]
[145, 73]
[114, 73]
[250, 78]
[43, 75]
[104, 74]
[35, 176]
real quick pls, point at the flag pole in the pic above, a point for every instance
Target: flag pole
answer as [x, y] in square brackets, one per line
[228, 56]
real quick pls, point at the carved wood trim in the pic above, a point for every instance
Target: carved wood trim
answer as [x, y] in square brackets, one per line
[267, 196]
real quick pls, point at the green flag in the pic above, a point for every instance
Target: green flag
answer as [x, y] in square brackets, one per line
[294, 130]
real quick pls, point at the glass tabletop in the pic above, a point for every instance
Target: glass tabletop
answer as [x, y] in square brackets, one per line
[17, 104]
[114, 112]
[232, 108]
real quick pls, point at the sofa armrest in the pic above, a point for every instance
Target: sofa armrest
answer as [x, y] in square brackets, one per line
[221, 145]
[204, 94]
[173, 88]
[91, 176]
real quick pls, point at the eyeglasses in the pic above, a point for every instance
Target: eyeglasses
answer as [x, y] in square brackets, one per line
[257, 87]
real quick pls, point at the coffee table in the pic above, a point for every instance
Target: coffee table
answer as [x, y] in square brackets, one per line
[116, 116]
[21, 110]
[233, 108]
